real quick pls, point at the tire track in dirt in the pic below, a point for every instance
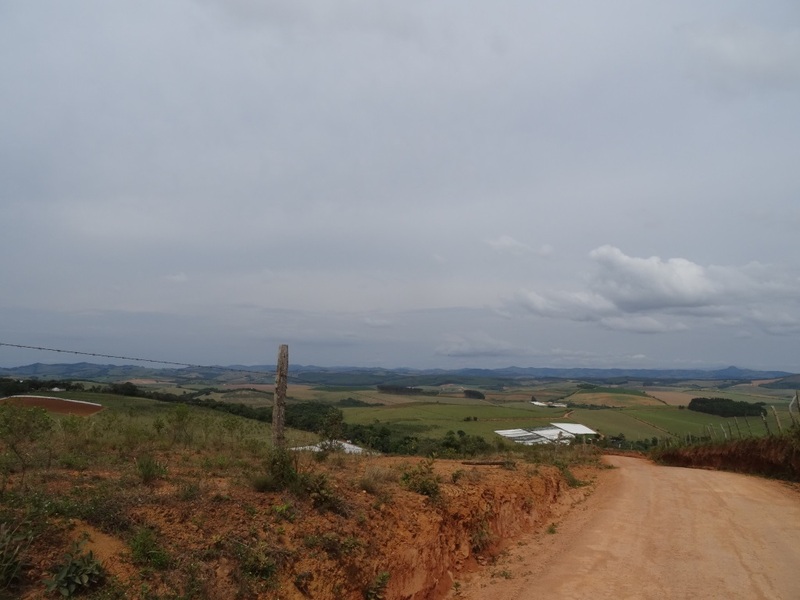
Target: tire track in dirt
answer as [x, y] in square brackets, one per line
[652, 532]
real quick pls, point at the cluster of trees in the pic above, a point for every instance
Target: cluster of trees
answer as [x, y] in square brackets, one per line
[621, 442]
[404, 390]
[15, 387]
[725, 407]
[394, 440]
[475, 394]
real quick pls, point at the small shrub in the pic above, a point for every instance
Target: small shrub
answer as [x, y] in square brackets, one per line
[377, 589]
[285, 512]
[75, 462]
[375, 478]
[260, 560]
[456, 475]
[146, 550]
[105, 508]
[281, 473]
[81, 571]
[333, 544]
[480, 537]
[302, 580]
[422, 479]
[188, 490]
[23, 432]
[316, 487]
[149, 468]
[14, 543]
[572, 481]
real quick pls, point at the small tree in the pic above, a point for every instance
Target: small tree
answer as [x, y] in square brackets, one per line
[21, 431]
[179, 420]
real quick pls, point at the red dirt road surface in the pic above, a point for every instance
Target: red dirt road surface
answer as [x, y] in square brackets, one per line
[652, 532]
[55, 405]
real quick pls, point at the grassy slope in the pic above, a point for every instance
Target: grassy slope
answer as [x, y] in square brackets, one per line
[641, 416]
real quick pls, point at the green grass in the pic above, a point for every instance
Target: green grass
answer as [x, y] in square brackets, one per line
[438, 418]
[685, 422]
[433, 416]
[611, 422]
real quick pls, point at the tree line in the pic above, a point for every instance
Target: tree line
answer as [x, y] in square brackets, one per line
[725, 407]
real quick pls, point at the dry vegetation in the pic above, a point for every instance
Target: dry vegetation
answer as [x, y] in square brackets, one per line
[772, 456]
[173, 502]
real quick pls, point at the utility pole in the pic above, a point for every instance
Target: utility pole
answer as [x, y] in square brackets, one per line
[279, 404]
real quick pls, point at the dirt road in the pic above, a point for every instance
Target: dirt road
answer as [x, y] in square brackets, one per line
[652, 532]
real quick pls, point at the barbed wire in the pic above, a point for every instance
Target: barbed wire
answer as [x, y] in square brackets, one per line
[139, 359]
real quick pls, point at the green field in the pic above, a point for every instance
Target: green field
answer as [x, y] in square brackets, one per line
[142, 413]
[437, 418]
[630, 412]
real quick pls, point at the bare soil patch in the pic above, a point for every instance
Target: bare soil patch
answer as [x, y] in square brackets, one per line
[673, 398]
[655, 532]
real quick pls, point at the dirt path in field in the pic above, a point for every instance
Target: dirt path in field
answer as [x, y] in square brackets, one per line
[652, 532]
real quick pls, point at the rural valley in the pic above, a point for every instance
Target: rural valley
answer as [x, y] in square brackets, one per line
[164, 483]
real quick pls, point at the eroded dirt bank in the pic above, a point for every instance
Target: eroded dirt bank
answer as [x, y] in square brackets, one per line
[364, 534]
[653, 532]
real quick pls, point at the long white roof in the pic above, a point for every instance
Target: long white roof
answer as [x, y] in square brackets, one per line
[557, 432]
[574, 428]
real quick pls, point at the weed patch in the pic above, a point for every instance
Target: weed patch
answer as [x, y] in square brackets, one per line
[149, 469]
[14, 543]
[80, 572]
[146, 550]
[422, 479]
[376, 590]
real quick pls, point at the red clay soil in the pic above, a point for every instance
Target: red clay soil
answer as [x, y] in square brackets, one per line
[653, 532]
[55, 405]
[425, 546]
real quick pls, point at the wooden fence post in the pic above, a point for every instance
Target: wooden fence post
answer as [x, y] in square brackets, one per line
[796, 403]
[766, 424]
[739, 431]
[777, 420]
[279, 404]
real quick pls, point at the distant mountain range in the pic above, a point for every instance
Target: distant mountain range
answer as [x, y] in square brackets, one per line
[359, 376]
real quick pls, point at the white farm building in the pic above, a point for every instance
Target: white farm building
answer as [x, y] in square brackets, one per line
[557, 433]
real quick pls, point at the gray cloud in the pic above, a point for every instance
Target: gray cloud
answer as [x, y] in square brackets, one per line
[387, 184]
[652, 295]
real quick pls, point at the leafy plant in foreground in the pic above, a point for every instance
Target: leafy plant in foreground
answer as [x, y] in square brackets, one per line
[81, 571]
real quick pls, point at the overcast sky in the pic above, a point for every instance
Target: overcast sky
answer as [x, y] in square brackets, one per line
[418, 183]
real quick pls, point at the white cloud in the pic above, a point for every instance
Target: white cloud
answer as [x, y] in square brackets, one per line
[654, 295]
[576, 306]
[650, 283]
